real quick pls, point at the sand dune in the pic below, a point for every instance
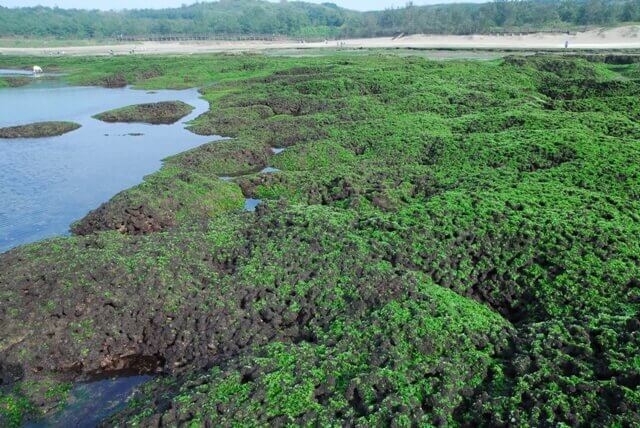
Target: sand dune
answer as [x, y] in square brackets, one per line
[616, 38]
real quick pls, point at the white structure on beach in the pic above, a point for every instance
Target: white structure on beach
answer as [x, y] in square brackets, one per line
[37, 69]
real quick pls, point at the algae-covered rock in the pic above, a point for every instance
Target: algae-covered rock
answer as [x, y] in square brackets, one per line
[445, 244]
[166, 112]
[15, 81]
[185, 189]
[38, 130]
[161, 201]
[391, 364]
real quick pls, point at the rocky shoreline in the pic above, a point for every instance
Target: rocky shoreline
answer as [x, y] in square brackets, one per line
[445, 244]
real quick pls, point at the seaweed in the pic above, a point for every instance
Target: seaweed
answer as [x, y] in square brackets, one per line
[446, 244]
[38, 130]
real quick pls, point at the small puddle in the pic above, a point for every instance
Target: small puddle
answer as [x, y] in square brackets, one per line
[90, 403]
[251, 204]
[225, 178]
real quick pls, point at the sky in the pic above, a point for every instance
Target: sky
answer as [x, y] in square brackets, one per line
[133, 4]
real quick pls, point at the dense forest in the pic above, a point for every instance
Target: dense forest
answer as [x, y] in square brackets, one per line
[310, 20]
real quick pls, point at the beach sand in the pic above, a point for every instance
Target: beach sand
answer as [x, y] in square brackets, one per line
[627, 37]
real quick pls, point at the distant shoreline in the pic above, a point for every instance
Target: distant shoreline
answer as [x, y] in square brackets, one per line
[627, 37]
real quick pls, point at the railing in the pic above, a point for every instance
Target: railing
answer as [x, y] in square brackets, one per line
[198, 37]
[279, 37]
[524, 31]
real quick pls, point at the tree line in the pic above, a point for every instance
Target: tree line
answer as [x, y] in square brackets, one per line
[498, 15]
[326, 20]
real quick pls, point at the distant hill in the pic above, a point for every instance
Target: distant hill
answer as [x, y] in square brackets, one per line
[299, 19]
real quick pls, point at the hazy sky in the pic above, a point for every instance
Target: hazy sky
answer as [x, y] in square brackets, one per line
[132, 4]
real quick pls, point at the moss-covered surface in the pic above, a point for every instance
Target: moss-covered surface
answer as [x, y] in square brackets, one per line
[186, 189]
[32, 398]
[14, 82]
[161, 113]
[444, 244]
[38, 130]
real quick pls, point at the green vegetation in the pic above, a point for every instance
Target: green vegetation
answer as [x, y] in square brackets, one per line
[226, 16]
[465, 18]
[151, 72]
[305, 20]
[38, 130]
[446, 243]
[14, 82]
[14, 408]
[186, 188]
[29, 399]
[166, 112]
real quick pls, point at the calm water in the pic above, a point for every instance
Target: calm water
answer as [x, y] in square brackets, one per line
[10, 72]
[251, 204]
[90, 403]
[47, 183]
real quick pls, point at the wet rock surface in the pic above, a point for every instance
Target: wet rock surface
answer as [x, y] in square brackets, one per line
[15, 82]
[38, 130]
[185, 189]
[165, 112]
[444, 244]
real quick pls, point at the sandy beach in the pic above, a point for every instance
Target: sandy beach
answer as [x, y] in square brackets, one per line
[617, 38]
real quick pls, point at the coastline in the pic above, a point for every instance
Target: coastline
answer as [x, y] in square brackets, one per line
[418, 234]
[627, 37]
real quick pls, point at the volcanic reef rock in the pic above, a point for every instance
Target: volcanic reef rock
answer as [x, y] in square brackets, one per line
[165, 112]
[38, 130]
[445, 244]
[187, 188]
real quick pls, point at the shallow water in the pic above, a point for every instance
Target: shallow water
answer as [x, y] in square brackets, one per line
[269, 170]
[251, 204]
[47, 183]
[14, 72]
[90, 403]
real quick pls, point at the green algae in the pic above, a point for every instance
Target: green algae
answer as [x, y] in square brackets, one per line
[38, 130]
[290, 383]
[14, 82]
[14, 408]
[445, 243]
[166, 112]
[31, 399]
[186, 189]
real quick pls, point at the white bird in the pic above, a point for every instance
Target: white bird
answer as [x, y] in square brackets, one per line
[37, 69]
